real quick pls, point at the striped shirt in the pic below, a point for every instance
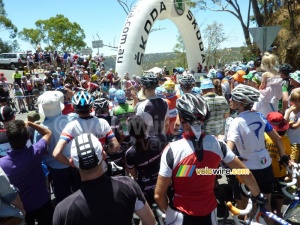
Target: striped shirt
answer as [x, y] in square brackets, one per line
[218, 106]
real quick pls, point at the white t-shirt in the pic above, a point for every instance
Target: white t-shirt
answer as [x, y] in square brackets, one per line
[97, 126]
[38, 80]
[5, 85]
[247, 132]
[29, 58]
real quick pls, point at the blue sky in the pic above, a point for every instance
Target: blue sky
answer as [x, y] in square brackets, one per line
[106, 17]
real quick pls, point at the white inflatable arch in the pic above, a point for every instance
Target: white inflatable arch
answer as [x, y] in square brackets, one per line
[137, 27]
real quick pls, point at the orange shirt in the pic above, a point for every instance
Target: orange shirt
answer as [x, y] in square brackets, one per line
[172, 113]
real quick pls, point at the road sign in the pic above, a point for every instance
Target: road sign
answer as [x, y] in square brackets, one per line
[97, 44]
[86, 51]
[264, 36]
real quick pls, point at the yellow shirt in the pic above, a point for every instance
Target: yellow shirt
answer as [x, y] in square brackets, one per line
[25, 71]
[278, 170]
[94, 78]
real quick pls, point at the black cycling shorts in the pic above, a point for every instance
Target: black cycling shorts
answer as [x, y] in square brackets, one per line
[264, 179]
[277, 187]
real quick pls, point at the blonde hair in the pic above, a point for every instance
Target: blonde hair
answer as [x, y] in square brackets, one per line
[295, 96]
[269, 62]
[218, 87]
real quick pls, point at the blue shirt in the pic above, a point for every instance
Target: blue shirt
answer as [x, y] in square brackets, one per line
[65, 55]
[56, 83]
[56, 125]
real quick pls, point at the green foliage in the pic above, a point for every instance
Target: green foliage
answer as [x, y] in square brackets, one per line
[32, 36]
[180, 52]
[58, 33]
[214, 35]
[9, 46]
[5, 23]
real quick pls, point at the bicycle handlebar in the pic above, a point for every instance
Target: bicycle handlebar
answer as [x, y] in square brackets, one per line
[295, 173]
[236, 212]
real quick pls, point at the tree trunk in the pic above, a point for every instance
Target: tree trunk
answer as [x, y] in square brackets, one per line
[246, 35]
[258, 16]
[291, 8]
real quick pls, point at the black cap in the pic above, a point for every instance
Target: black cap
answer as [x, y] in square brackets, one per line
[6, 113]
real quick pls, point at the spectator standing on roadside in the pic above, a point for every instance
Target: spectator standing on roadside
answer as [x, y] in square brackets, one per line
[292, 115]
[104, 84]
[38, 48]
[29, 59]
[271, 86]
[116, 81]
[199, 68]
[295, 81]
[128, 85]
[47, 57]
[36, 57]
[110, 76]
[284, 71]
[279, 124]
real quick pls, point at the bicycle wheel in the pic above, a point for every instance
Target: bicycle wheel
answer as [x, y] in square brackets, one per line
[15, 104]
[12, 104]
[30, 104]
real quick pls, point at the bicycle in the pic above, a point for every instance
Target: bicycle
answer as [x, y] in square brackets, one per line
[31, 102]
[11, 102]
[159, 215]
[289, 213]
[261, 210]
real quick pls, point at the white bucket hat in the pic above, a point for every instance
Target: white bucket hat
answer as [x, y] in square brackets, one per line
[51, 103]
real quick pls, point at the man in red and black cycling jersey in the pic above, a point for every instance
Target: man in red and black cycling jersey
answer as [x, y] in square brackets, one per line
[83, 103]
[89, 86]
[193, 200]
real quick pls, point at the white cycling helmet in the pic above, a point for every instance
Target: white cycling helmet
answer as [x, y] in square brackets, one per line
[245, 94]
